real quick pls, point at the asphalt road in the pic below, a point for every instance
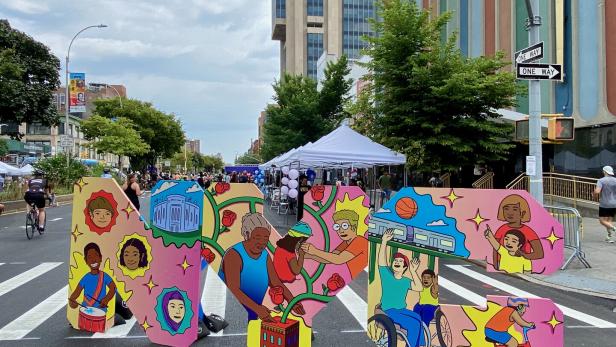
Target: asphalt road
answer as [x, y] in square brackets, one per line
[33, 276]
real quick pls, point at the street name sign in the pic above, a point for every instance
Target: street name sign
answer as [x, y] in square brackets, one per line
[529, 71]
[66, 141]
[529, 54]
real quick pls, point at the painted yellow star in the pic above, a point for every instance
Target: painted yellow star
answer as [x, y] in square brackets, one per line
[552, 238]
[452, 197]
[150, 285]
[129, 209]
[185, 265]
[553, 322]
[76, 233]
[81, 183]
[145, 324]
[478, 219]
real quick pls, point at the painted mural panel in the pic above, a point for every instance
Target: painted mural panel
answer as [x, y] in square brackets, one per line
[284, 281]
[116, 261]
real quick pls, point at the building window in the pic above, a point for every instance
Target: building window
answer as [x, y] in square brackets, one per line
[279, 8]
[315, 49]
[37, 129]
[315, 8]
[356, 25]
[279, 341]
[61, 129]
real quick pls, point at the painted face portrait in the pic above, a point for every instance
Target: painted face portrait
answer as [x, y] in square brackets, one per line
[93, 257]
[101, 212]
[134, 254]
[174, 309]
[398, 265]
[101, 217]
[427, 280]
[258, 240]
[512, 242]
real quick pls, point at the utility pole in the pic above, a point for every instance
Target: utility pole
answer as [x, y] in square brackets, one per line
[533, 23]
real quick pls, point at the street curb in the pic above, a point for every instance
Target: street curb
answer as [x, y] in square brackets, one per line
[22, 210]
[13, 206]
[549, 284]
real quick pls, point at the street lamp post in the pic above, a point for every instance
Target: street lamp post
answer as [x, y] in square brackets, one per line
[68, 95]
[110, 87]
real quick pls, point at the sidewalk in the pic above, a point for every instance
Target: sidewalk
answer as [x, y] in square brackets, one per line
[600, 280]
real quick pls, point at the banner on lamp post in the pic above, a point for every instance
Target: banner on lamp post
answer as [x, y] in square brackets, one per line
[77, 101]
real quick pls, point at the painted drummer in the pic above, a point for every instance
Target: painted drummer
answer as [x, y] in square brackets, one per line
[94, 284]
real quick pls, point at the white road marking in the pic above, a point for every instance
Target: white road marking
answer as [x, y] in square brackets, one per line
[56, 219]
[569, 312]
[355, 304]
[24, 277]
[18, 263]
[462, 292]
[1, 264]
[30, 320]
[116, 331]
[214, 296]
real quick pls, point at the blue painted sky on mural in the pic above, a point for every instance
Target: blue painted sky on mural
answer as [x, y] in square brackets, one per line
[210, 62]
[429, 216]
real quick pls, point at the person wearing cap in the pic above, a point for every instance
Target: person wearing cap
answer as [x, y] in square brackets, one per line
[394, 288]
[606, 192]
[288, 256]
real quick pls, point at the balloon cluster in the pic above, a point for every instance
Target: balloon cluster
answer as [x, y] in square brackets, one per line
[289, 182]
[259, 177]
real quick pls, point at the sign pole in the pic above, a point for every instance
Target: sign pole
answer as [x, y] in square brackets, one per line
[533, 24]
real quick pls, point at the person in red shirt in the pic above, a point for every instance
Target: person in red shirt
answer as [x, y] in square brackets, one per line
[288, 256]
[514, 210]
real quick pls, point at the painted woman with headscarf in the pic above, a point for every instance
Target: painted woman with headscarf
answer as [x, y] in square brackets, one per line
[174, 309]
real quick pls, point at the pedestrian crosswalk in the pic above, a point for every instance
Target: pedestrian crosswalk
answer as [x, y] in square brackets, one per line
[50, 310]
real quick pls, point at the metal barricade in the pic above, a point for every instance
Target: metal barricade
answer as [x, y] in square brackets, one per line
[571, 220]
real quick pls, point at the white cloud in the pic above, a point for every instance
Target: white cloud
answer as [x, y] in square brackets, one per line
[195, 188]
[25, 6]
[437, 223]
[165, 186]
[383, 210]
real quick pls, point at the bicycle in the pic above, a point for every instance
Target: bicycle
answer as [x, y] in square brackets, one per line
[526, 342]
[32, 222]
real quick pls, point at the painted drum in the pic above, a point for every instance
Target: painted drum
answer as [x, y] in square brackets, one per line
[92, 319]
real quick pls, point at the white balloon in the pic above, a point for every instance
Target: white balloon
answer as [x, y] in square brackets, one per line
[285, 181]
[293, 193]
[293, 174]
[293, 184]
[285, 170]
[284, 190]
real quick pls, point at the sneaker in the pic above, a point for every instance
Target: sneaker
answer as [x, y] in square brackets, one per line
[202, 330]
[215, 323]
[609, 239]
[610, 231]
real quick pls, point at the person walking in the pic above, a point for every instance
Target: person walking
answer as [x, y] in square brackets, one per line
[384, 184]
[606, 192]
[132, 190]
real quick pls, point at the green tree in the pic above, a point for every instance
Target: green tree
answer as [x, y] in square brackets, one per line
[427, 100]
[4, 147]
[212, 163]
[28, 77]
[248, 158]
[162, 132]
[56, 172]
[117, 137]
[334, 93]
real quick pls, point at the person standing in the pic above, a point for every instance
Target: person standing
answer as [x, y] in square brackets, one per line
[132, 190]
[606, 192]
[384, 183]
[106, 173]
[304, 187]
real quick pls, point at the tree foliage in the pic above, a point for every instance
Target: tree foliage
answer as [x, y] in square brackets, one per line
[196, 162]
[426, 99]
[302, 113]
[4, 147]
[161, 132]
[249, 158]
[56, 172]
[28, 78]
[117, 137]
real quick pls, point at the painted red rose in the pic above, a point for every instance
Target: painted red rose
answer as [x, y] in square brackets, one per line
[208, 255]
[228, 217]
[276, 294]
[317, 192]
[221, 187]
[335, 282]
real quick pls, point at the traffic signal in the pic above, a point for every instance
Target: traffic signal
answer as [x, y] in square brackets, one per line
[521, 130]
[561, 129]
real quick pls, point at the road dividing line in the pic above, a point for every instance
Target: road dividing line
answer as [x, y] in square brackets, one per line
[56, 219]
[569, 312]
[214, 296]
[30, 320]
[1, 264]
[116, 331]
[462, 292]
[27, 276]
[355, 304]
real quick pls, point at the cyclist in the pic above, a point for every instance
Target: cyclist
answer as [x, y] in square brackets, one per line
[496, 330]
[106, 173]
[37, 188]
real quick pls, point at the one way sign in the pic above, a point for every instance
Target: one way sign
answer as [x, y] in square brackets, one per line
[529, 54]
[530, 71]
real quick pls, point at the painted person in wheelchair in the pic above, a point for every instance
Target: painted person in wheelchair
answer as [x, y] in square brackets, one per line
[496, 329]
[428, 297]
[395, 286]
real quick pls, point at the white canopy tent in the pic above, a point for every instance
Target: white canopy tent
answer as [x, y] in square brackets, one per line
[343, 147]
[10, 170]
[26, 170]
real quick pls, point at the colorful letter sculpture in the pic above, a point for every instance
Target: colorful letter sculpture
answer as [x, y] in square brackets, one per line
[506, 228]
[283, 282]
[114, 252]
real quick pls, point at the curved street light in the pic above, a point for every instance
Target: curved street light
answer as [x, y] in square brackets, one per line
[111, 87]
[68, 99]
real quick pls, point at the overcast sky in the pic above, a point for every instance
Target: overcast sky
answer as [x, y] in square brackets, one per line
[210, 62]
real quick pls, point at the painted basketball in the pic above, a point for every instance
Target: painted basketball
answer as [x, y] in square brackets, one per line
[406, 208]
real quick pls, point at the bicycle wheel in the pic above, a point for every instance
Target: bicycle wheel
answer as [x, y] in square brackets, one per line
[443, 329]
[382, 331]
[30, 226]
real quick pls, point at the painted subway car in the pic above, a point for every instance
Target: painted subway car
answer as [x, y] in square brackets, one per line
[412, 236]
